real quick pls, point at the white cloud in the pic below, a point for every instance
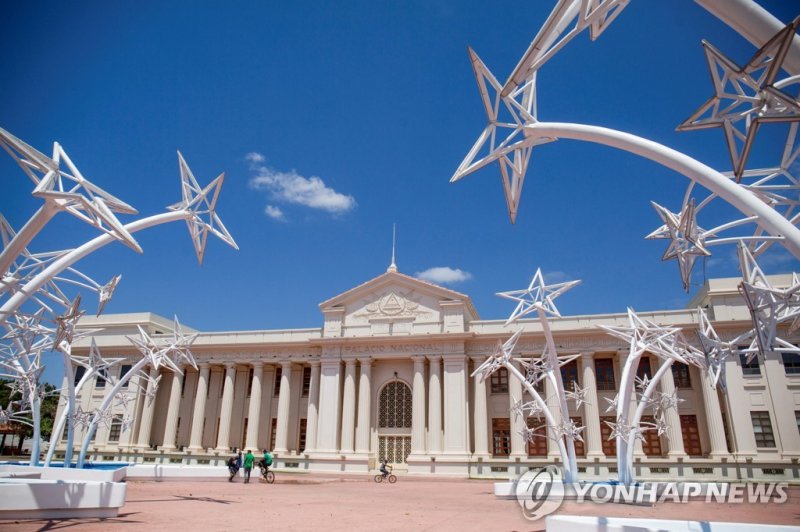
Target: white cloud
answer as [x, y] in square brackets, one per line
[556, 277]
[275, 213]
[444, 275]
[255, 157]
[291, 187]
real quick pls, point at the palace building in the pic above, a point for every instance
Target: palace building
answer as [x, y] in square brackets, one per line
[387, 375]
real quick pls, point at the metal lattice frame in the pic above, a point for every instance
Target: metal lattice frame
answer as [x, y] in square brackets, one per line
[39, 282]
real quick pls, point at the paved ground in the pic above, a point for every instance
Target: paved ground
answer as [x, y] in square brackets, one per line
[344, 503]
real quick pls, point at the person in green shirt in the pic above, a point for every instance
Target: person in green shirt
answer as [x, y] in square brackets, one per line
[248, 465]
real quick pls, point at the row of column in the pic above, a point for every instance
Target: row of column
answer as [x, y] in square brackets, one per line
[226, 408]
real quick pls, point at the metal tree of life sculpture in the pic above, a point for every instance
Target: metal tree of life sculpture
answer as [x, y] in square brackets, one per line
[745, 99]
[538, 298]
[38, 316]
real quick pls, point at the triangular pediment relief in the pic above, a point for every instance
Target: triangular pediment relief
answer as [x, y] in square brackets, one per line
[393, 296]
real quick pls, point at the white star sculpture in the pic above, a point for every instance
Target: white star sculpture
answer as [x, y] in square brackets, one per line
[508, 117]
[578, 394]
[717, 351]
[597, 15]
[106, 292]
[642, 335]
[746, 96]
[201, 203]
[568, 429]
[68, 190]
[612, 403]
[67, 322]
[768, 306]
[538, 296]
[82, 418]
[501, 356]
[172, 355]
[623, 430]
[95, 361]
[686, 238]
[525, 409]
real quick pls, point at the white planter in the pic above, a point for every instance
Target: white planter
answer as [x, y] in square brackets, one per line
[22, 498]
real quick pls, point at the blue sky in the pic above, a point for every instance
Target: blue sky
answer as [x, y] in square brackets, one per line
[334, 120]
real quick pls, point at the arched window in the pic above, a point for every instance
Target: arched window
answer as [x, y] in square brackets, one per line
[395, 406]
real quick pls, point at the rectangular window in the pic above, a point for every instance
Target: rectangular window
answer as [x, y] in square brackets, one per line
[691, 435]
[680, 373]
[102, 376]
[569, 374]
[791, 363]
[762, 428]
[301, 440]
[177, 430]
[797, 419]
[538, 446]
[752, 368]
[643, 369]
[499, 381]
[604, 368]
[80, 371]
[501, 436]
[183, 383]
[651, 445]
[273, 430]
[244, 432]
[250, 382]
[276, 391]
[306, 383]
[123, 370]
[609, 443]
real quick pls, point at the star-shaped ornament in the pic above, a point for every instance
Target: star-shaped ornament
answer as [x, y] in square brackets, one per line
[200, 204]
[747, 96]
[537, 297]
[686, 238]
[578, 394]
[499, 358]
[106, 292]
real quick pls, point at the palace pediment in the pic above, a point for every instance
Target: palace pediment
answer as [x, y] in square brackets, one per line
[396, 304]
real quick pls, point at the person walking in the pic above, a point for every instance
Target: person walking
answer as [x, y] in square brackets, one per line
[231, 463]
[238, 461]
[248, 465]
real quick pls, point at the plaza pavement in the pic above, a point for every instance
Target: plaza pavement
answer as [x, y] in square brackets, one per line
[318, 502]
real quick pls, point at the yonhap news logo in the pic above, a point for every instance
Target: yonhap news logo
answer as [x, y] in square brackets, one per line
[541, 491]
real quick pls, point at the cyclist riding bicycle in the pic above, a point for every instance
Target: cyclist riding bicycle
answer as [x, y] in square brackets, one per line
[383, 469]
[265, 462]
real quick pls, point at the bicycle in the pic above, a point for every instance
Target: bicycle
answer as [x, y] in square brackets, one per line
[389, 476]
[266, 474]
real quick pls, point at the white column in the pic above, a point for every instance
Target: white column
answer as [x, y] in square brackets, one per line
[313, 408]
[456, 419]
[675, 440]
[349, 406]
[226, 409]
[146, 424]
[418, 406]
[284, 400]
[171, 428]
[434, 405]
[481, 418]
[591, 411]
[518, 423]
[199, 414]
[364, 403]
[254, 410]
[716, 429]
[638, 451]
[329, 411]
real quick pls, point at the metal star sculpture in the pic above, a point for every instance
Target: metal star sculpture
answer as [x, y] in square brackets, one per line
[507, 117]
[67, 322]
[746, 96]
[641, 335]
[568, 429]
[106, 292]
[201, 203]
[596, 15]
[768, 306]
[686, 238]
[82, 418]
[501, 356]
[537, 297]
[578, 394]
[95, 362]
[68, 190]
[717, 351]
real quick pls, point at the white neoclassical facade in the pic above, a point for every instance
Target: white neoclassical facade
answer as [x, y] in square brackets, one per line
[388, 376]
